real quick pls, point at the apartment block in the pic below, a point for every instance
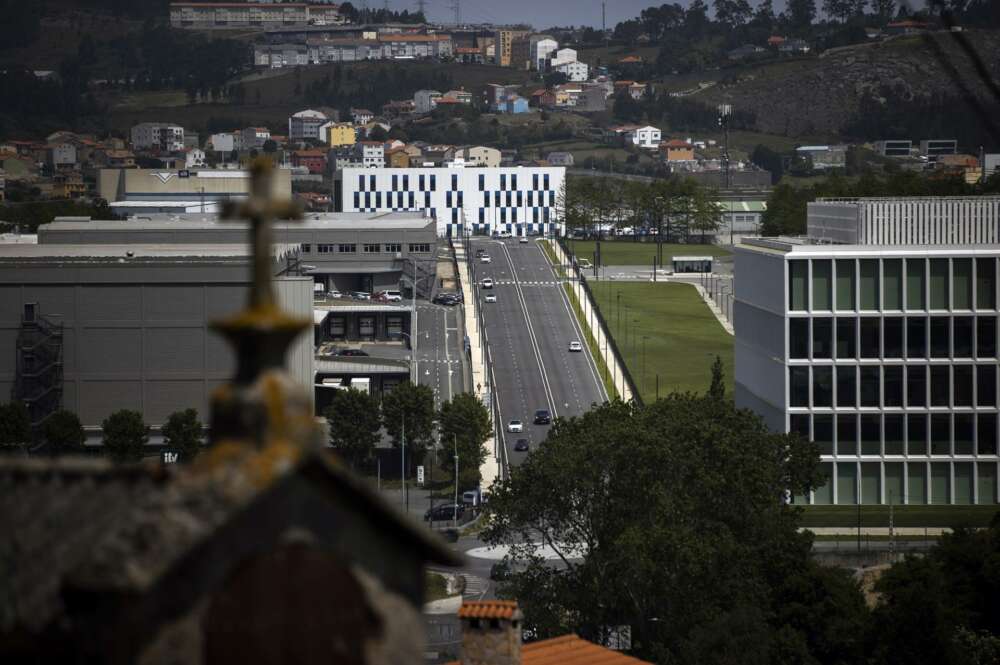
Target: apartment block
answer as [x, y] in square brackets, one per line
[163, 136]
[882, 350]
[519, 200]
[228, 15]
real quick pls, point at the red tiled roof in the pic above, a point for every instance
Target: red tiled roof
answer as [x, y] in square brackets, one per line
[414, 38]
[631, 58]
[487, 609]
[571, 650]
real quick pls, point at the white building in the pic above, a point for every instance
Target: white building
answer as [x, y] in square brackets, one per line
[648, 138]
[255, 137]
[164, 136]
[574, 71]
[226, 142]
[561, 56]
[306, 125]
[541, 50]
[371, 154]
[194, 158]
[361, 116]
[425, 101]
[521, 200]
[877, 339]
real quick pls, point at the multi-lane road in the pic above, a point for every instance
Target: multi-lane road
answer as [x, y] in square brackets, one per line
[528, 331]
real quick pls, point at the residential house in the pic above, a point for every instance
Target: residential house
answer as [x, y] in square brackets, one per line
[479, 156]
[774, 41]
[157, 135]
[541, 50]
[253, 15]
[115, 159]
[340, 134]
[542, 99]
[504, 43]
[314, 160]
[574, 70]
[225, 142]
[630, 60]
[254, 138]
[647, 138]
[824, 156]
[361, 116]
[61, 156]
[963, 166]
[495, 95]
[634, 89]
[462, 96]
[907, 27]
[469, 55]
[561, 56]
[745, 51]
[616, 134]
[592, 99]
[371, 154]
[68, 185]
[398, 108]
[424, 101]
[397, 158]
[677, 150]
[567, 94]
[438, 155]
[560, 159]
[194, 158]
[305, 125]
[515, 104]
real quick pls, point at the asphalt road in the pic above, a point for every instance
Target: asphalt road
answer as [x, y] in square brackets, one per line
[528, 331]
[439, 351]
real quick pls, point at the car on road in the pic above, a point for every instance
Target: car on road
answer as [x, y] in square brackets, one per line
[352, 353]
[390, 295]
[444, 512]
[504, 234]
[485, 258]
[480, 252]
[491, 297]
[515, 426]
[361, 295]
[522, 446]
[575, 346]
[334, 294]
[448, 298]
[487, 283]
[523, 240]
[543, 417]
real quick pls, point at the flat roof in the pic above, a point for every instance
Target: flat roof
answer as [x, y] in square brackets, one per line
[208, 220]
[805, 246]
[139, 252]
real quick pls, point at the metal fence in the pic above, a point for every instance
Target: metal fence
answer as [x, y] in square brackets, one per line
[605, 328]
[720, 288]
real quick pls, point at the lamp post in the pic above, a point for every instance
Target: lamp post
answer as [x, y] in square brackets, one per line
[644, 338]
[454, 508]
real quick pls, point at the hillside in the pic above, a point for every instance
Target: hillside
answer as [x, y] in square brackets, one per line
[822, 96]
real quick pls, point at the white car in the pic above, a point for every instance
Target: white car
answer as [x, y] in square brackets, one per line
[491, 297]
[523, 240]
[575, 346]
[334, 294]
[487, 283]
[485, 258]
[515, 427]
[504, 234]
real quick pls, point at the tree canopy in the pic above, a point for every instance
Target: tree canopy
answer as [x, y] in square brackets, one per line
[465, 424]
[408, 411]
[184, 432]
[355, 424]
[125, 435]
[63, 432]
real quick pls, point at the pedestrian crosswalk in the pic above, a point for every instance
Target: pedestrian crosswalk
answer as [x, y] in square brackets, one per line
[475, 587]
[510, 282]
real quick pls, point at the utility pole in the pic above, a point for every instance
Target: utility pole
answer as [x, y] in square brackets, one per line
[402, 467]
[456, 6]
[725, 113]
[422, 8]
[454, 509]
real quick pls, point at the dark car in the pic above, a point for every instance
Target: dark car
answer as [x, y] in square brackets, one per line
[448, 299]
[352, 352]
[522, 446]
[543, 417]
[444, 512]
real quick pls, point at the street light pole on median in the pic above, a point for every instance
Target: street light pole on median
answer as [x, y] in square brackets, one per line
[454, 508]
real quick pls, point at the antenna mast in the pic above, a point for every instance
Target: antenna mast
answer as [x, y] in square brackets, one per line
[456, 6]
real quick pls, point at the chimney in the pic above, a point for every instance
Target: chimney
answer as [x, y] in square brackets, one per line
[491, 632]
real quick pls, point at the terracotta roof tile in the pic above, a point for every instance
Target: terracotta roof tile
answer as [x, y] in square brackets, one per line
[488, 609]
[570, 650]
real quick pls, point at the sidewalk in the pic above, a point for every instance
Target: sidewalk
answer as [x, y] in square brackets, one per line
[726, 324]
[481, 384]
[596, 331]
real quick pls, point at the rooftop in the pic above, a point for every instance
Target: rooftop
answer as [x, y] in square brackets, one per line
[320, 220]
[488, 609]
[571, 650]
[19, 253]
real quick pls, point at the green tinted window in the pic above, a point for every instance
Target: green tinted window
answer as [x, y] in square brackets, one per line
[892, 281]
[798, 295]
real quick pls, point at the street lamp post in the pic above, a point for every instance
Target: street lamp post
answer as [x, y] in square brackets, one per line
[644, 338]
[454, 508]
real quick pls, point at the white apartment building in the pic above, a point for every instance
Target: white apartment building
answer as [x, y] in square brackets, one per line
[226, 142]
[255, 137]
[165, 136]
[194, 158]
[648, 138]
[574, 70]
[541, 50]
[371, 154]
[425, 101]
[561, 56]
[229, 15]
[306, 125]
[883, 351]
[520, 200]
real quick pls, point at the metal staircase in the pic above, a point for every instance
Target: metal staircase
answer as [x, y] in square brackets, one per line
[38, 382]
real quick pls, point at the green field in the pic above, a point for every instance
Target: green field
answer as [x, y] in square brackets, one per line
[628, 253]
[903, 516]
[682, 336]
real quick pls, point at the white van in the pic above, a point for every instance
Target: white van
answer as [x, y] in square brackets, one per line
[584, 263]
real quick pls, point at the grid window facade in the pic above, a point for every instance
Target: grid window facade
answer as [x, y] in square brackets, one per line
[892, 372]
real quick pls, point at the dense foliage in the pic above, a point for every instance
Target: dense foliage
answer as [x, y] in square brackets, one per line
[15, 424]
[355, 424]
[184, 433]
[464, 425]
[125, 435]
[63, 432]
[408, 415]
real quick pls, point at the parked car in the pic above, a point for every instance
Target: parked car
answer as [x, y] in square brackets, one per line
[480, 252]
[334, 294]
[361, 295]
[352, 353]
[390, 295]
[487, 283]
[515, 426]
[575, 346]
[491, 297]
[543, 417]
[444, 512]
[522, 446]
[485, 258]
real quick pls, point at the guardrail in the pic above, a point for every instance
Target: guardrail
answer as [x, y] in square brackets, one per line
[605, 328]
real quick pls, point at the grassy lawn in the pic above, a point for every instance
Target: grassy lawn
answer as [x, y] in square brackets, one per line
[683, 337]
[435, 587]
[628, 253]
[550, 254]
[903, 516]
[595, 351]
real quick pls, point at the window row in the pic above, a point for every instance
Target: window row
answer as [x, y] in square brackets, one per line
[892, 386]
[899, 434]
[892, 337]
[912, 483]
[367, 248]
[892, 284]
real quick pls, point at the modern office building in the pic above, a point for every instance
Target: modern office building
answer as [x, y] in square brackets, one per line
[97, 328]
[883, 351]
[521, 200]
[130, 191]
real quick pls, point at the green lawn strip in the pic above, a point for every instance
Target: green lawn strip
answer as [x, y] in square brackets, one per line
[595, 351]
[550, 253]
[903, 516]
[629, 253]
[683, 337]
[435, 586]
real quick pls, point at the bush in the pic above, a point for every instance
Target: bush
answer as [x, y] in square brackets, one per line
[63, 432]
[183, 432]
[125, 435]
[15, 424]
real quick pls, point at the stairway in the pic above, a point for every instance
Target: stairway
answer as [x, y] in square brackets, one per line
[38, 382]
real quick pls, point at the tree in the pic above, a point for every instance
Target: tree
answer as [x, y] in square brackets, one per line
[465, 424]
[884, 9]
[638, 505]
[63, 432]
[270, 147]
[733, 13]
[408, 411]
[355, 424]
[15, 424]
[184, 432]
[378, 133]
[718, 388]
[125, 435]
[552, 79]
[801, 13]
